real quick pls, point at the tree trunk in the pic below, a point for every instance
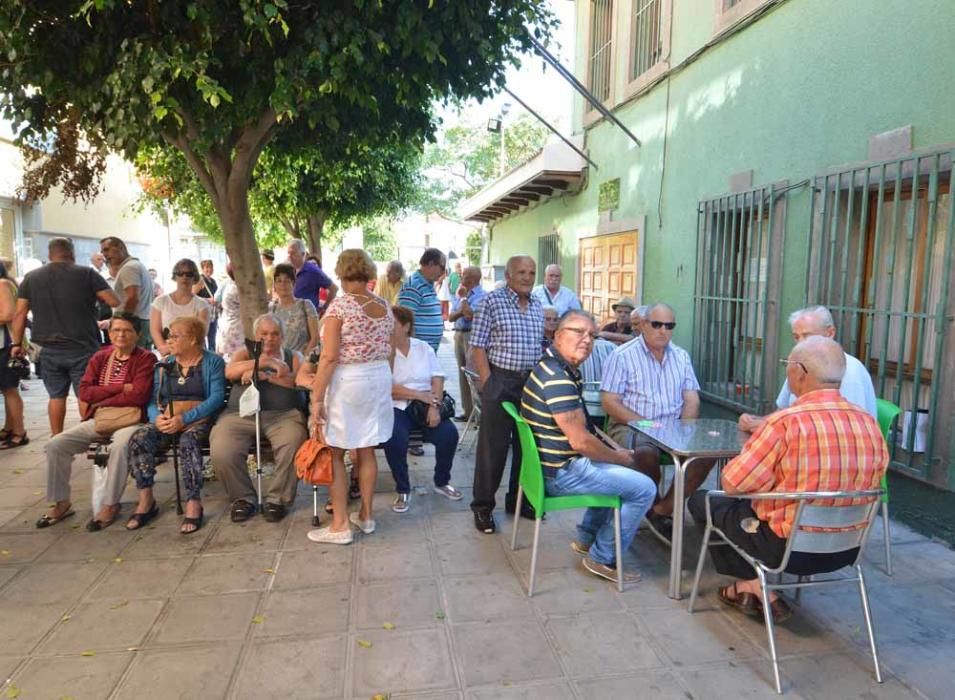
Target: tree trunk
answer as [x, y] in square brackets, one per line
[243, 251]
[316, 225]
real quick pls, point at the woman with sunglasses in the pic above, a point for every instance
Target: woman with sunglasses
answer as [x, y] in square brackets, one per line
[182, 302]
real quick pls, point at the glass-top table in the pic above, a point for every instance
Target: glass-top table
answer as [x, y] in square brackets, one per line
[686, 441]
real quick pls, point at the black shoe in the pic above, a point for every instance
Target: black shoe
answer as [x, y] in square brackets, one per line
[484, 522]
[527, 510]
[274, 512]
[461, 419]
[416, 451]
[661, 525]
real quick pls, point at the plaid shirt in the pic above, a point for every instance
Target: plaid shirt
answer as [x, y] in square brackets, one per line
[511, 337]
[821, 443]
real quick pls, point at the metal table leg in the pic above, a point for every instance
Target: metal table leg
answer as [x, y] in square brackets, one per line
[676, 545]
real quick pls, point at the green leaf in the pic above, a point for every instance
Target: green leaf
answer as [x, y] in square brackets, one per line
[270, 10]
[364, 644]
[214, 99]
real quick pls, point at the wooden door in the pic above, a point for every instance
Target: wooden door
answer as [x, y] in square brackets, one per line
[608, 270]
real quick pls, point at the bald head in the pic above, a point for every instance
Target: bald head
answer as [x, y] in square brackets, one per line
[520, 273]
[471, 276]
[817, 362]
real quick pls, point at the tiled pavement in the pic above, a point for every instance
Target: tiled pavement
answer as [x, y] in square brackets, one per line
[425, 607]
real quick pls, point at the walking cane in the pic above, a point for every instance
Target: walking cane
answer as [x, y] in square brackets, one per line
[256, 353]
[175, 437]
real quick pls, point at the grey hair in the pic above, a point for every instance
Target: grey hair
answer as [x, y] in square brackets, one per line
[515, 259]
[571, 314]
[396, 265]
[820, 312]
[641, 310]
[298, 244]
[650, 308]
[823, 358]
[550, 307]
[272, 318]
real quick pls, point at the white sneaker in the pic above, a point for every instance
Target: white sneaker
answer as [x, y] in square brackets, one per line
[402, 502]
[448, 491]
[366, 526]
[326, 536]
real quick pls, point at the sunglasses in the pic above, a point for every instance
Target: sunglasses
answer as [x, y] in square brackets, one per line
[657, 325]
[183, 273]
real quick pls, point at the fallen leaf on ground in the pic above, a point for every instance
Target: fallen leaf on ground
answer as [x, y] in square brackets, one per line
[120, 604]
[388, 626]
[118, 560]
[132, 648]
[4, 552]
[439, 615]
[365, 644]
[381, 696]
[17, 471]
[269, 571]
[13, 691]
[258, 619]
[75, 527]
[87, 653]
[37, 493]
[66, 618]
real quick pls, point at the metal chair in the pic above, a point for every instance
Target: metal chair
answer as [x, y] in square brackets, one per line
[532, 486]
[817, 529]
[474, 420]
[886, 412]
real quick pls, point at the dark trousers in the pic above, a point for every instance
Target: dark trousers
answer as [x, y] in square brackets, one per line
[764, 544]
[444, 437]
[497, 433]
[211, 336]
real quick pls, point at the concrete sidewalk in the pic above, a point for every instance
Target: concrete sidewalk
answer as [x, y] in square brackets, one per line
[425, 607]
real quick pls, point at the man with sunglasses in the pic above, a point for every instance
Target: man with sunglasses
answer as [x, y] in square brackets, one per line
[577, 458]
[650, 378]
[856, 385]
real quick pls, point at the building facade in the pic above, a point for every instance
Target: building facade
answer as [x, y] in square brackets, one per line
[790, 152]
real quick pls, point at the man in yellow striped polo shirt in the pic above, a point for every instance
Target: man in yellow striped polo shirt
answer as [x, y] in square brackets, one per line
[575, 456]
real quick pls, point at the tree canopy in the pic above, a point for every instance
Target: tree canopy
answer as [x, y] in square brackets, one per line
[220, 80]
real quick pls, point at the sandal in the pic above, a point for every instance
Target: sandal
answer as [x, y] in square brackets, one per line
[195, 522]
[746, 603]
[241, 511]
[142, 519]
[354, 491]
[96, 525]
[47, 519]
[13, 441]
[328, 507]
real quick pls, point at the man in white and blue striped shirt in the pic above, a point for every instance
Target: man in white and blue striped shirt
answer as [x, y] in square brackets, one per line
[650, 378]
[418, 295]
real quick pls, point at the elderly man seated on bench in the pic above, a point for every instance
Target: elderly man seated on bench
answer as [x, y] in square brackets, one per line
[820, 443]
[281, 419]
[575, 456]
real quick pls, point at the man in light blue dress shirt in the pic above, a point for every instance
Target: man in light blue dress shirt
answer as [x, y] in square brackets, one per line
[552, 294]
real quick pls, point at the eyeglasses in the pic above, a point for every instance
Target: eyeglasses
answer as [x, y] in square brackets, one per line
[657, 325]
[583, 332]
[177, 336]
[786, 362]
[183, 273]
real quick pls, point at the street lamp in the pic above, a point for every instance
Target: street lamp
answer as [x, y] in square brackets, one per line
[496, 126]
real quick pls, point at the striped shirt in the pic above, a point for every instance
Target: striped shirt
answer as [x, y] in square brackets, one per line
[821, 443]
[649, 388]
[418, 295]
[511, 337]
[553, 387]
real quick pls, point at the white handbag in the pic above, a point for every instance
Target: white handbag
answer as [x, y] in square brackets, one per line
[249, 403]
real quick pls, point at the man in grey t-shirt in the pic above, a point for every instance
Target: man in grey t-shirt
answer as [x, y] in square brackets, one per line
[132, 285]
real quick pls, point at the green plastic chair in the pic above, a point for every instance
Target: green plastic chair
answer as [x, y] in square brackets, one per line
[532, 486]
[886, 413]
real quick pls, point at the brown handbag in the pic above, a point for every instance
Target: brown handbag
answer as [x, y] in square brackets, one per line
[313, 463]
[108, 419]
[180, 408]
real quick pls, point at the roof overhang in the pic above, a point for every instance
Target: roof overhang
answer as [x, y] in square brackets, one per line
[555, 170]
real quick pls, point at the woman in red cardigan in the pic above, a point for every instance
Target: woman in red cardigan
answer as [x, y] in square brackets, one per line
[118, 376]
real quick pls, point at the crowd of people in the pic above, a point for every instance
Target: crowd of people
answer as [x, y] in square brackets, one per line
[328, 354]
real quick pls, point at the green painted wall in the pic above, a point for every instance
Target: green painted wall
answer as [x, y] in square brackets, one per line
[797, 92]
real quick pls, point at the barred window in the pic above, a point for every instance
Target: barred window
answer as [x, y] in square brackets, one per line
[739, 241]
[601, 48]
[548, 253]
[647, 28]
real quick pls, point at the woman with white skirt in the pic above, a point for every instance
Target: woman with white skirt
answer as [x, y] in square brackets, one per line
[351, 396]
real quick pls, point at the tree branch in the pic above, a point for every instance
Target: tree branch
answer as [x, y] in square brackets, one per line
[250, 145]
[195, 162]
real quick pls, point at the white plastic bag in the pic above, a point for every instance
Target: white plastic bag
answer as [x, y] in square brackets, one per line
[249, 402]
[99, 487]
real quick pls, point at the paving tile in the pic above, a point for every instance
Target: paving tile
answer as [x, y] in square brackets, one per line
[7, 664]
[397, 530]
[21, 548]
[660, 685]
[154, 542]
[546, 691]
[24, 625]
[927, 667]
[7, 573]
[206, 619]
[255, 535]
[20, 496]
[62, 582]
[916, 563]
[737, 680]
[282, 611]
[79, 545]
[301, 668]
[315, 566]
[484, 598]
[8, 516]
[376, 563]
[408, 603]
[131, 579]
[471, 556]
[197, 672]
[801, 634]
[228, 573]
[72, 676]
[398, 661]
[842, 676]
[698, 638]
[104, 626]
[496, 652]
[923, 613]
[566, 592]
[607, 640]
[455, 528]
[554, 553]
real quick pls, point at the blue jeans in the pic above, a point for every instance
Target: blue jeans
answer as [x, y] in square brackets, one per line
[444, 437]
[60, 368]
[636, 492]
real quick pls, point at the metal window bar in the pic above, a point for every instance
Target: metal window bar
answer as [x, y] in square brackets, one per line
[548, 253]
[883, 236]
[647, 36]
[601, 48]
[735, 284]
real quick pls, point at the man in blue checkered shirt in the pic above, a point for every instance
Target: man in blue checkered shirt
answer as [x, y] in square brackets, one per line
[505, 346]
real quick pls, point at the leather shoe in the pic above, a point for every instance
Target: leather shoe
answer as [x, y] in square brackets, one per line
[461, 419]
[527, 510]
[662, 525]
[416, 451]
[484, 522]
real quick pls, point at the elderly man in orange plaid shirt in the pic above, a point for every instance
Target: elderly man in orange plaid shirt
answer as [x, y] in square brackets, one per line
[820, 443]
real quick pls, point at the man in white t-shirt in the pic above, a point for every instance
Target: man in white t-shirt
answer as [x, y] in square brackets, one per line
[552, 294]
[856, 385]
[132, 284]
